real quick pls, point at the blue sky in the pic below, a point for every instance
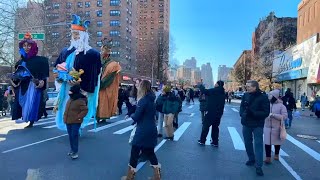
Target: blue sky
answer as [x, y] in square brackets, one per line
[217, 31]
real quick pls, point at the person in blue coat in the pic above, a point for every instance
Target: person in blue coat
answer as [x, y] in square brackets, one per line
[145, 138]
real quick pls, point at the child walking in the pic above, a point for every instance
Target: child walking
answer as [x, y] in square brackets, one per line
[76, 110]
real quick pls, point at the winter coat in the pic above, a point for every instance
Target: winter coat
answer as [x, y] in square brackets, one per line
[171, 105]
[159, 102]
[271, 128]
[254, 109]
[215, 102]
[289, 102]
[75, 111]
[146, 132]
[203, 102]
[316, 106]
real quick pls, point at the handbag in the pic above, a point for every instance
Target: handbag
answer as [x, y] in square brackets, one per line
[133, 132]
[283, 132]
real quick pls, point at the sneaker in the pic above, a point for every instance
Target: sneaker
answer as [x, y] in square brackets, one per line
[250, 163]
[159, 135]
[74, 156]
[214, 144]
[259, 172]
[169, 138]
[19, 121]
[70, 153]
[201, 143]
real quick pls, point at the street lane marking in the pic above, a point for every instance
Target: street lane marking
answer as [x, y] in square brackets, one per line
[177, 136]
[46, 122]
[289, 168]
[33, 174]
[124, 130]
[318, 141]
[190, 107]
[236, 139]
[178, 133]
[192, 114]
[141, 164]
[235, 110]
[38, 142]
[305, 148]
[209, 136]
[110, 125]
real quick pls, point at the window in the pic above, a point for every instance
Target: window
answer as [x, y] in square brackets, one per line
[87, 13]
[99, 43]
[161, 16]
[56, 5]
[116, 44]
[99, 3]
[99, 23]
[99, 13]
[114, 2]
[114, 13]
[114, 33]
[115, 54]
[80, 4]
[68, 5]
[161, 21]
[87, 4]
[99, 34]
[55, 35]
[114, 23]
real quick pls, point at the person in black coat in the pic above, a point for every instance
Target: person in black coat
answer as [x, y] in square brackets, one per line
[215, 108]
[254, 109]
[145, 138]
[290, 103]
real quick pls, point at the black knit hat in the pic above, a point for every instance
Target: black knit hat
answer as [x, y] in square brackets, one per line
[75, 89]
[220, 83]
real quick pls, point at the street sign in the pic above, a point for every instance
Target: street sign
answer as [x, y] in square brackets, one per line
[35, 36]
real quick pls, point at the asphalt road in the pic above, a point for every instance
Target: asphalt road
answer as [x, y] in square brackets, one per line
[40, 153]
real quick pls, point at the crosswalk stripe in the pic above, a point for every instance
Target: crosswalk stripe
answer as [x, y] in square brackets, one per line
[209, 136]
[235, 110]
[305, 148]
[178, 133]
[124, 130]
[318, 141]
[110, 125]
[236, 139]
[289, 168]
[42, 123]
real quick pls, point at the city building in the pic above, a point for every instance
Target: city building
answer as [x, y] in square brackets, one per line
[184, 74]
[195, 76]
[114, 19]
[223, 72]
[191, 63]
[308, 19]
[173, 74]
[273, 34]
[206, 75]
[242, 69]
[153, 38]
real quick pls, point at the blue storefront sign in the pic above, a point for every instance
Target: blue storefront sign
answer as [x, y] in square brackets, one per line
[293, 74]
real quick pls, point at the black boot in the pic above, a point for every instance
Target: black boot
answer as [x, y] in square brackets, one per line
[30, 124]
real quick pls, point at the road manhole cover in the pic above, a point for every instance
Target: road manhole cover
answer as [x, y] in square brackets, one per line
[307, 137]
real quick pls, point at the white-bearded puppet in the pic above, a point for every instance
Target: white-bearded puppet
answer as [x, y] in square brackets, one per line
[78, 64]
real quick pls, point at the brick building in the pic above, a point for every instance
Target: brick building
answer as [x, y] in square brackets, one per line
[153, 38]
[113, 19]
[242, 69]
[308, 19]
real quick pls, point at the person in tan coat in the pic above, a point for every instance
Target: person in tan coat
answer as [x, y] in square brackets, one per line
[109, 84]
[76, 110]
[271, 130]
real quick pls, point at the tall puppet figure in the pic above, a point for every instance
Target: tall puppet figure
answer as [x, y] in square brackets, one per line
[109, 84]
[29, 80]
[78, 64]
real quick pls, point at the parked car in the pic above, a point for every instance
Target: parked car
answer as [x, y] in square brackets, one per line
[238, 94]
[53, 97]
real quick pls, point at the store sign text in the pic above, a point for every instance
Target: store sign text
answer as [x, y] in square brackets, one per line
[289, 64]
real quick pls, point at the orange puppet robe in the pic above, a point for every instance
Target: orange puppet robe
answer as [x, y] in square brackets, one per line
[108, 97]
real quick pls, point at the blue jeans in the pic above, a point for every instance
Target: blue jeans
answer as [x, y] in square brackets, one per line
[256, 134]
[289, 120]
[73, 132]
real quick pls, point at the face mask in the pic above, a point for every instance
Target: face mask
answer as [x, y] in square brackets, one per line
[273, 100]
